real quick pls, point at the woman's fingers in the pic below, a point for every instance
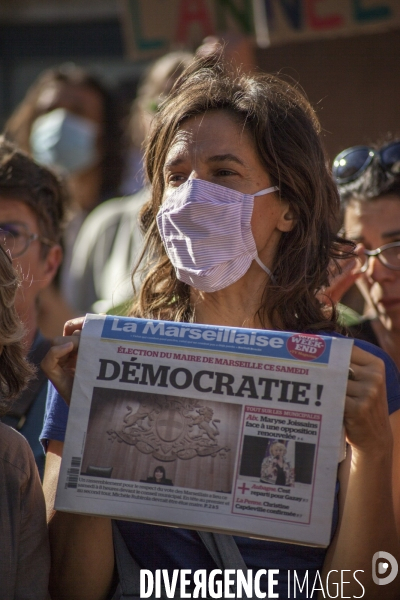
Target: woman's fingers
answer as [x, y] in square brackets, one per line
[366, 415]
[59, 364]
[339, 283]
[360, 358]
[360, 255]
[56, 353]
[73, 325]
[62, 341]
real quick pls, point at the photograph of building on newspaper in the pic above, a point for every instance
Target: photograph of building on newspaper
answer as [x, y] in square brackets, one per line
[144, 431]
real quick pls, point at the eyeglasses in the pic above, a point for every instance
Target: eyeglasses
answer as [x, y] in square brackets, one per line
[389, 255]
[351, 163]
[16, 239]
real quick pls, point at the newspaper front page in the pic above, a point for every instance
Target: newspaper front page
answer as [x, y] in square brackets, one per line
[224, 429]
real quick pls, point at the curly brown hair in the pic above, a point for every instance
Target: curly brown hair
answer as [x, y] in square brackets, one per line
[15, 371]
[285, 132]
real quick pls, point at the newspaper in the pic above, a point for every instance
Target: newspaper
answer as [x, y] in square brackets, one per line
[224, 429]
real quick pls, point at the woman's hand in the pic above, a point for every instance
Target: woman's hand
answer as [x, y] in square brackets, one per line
[74, 325]
[367, 521]
[340, 282]
[366, 415]
[60, 362]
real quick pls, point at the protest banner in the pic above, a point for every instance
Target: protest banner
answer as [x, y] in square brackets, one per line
[154, 27]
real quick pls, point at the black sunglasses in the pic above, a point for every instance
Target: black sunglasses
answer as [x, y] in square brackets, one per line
[351, 163]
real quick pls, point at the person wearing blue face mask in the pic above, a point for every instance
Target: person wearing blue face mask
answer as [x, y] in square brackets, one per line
[240, 231]
[68, 120]
[68, 103]
[61, 138]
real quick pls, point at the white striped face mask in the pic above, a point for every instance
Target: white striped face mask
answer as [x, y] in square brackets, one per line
[207, 235]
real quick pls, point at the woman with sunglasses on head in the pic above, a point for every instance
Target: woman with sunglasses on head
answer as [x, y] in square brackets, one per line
[368, 180]
[369, 185]
[237, 168]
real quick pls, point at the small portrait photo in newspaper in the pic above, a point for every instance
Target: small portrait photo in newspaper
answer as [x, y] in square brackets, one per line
[279, 462]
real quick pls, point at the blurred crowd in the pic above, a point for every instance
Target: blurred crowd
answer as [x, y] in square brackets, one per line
[72, 188]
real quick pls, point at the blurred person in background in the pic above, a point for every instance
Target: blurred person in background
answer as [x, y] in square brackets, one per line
[110, 240]
[69, 119]
[368, 179]
[32, 208]
[24, 548]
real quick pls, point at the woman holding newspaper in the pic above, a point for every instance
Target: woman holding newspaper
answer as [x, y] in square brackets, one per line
[240, 232]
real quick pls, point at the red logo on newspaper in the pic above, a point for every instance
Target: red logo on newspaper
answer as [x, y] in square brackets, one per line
[305, 347]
